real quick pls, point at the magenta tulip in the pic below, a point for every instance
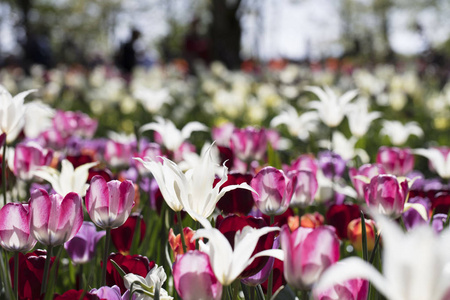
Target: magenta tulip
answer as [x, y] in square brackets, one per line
[249, 143]
[307, 253]
[55, 219]
[109, 203]
[28, 157]
[368, 171]
[305, 189]
[386, 194]
[354, 289]
[194, 278]
[274, 190]
[396, 161]
[15, 228]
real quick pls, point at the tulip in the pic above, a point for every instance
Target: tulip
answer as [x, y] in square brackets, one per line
[340, 215]
[395, 160]
[122, 236]
[176, 244]
[222, 134]
[331, 108]
[172, 138]
[354, 233]
[81, 248]
[305, 190]
[399, 133]
[38, 118]
[69, 179]
[344, 147]
[412, 218]
[149, 285]
[12, 111]
[439, 159]
[249, 143]
[15, 228]
[109, 293]
[387, 195]
[273, 190]
[29, 157]
[109, 203]
[194, 278]
[368, 171]
[415, 264]
[305, 162]
[76, 295]
[438, 222]
[359, 118]
[307, 253]
[136, 264]
[119, 153]
[354, 289]
[69, 123]
[309, 220]
[300, 126]
[238, 201]
[55, 219]
[331, 164]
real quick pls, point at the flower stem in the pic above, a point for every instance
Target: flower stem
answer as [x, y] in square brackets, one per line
[4, 174]
[105, 254]
[16, 274]
[305, 295]
[46, 269]
[183, 242]
[270, 282]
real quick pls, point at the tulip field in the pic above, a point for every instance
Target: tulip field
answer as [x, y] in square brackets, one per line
[276, 181]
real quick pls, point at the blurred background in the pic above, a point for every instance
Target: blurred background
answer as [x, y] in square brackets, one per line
[90, 32]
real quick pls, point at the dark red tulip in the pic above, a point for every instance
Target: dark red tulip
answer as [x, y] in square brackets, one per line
[441, 202]
[226, 156]
[136, 264]
[231, 224]
[31, 272]
[282, 219]
[76, 295]
[278, 277]
[339, 215]
[238, 201]
[122, 236]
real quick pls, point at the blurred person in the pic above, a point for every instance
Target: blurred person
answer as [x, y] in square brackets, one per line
[126, 58]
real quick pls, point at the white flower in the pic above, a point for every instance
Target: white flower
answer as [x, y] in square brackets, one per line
[145, 288]
[438, 159]
[331, 108]
[69, 179]
[171, 136]
[227, 263]
[359, 118]
[416, 265]
[12, 111]
[192, 190]
[345, 147]
[399, 133]
[38, 118]
[297, 125]
[151, 99]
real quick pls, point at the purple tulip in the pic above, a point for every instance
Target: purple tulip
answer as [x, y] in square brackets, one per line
[331, 164]
[274, 190]
[28, 157]
[111, 293]
[249, 143]
[15, 228]
[368, 171]
[307, 253]
[55, 219]
[109, 203]
[306, 188]
[438, 222]
[194, 278]
[354, 289]
[411, 217]
[81, 248]
[395, 160]
[385, 194]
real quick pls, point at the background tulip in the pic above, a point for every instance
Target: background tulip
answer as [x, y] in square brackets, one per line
[176, 243]
[15, 228]
[354, 232]
[81, 248]
[307, 253]
[368, 171]
[340, 215]
[55, 219]
[109, 203]
[249, 143]
[238, 201]
[122, 236]
[396, 161]
[28, 157]
[354, 289]
[306, 188]
[194, 278]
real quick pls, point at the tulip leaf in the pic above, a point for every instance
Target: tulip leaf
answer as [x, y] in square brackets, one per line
[53, 275]
[118, 268]
[273, 157]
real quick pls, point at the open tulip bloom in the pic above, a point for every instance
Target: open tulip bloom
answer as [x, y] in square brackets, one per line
[415, 265]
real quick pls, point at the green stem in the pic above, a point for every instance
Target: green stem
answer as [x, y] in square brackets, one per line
[105, 255]
[16, 274]
[4, 173]
[364, 236]
[305, 295]
[183, 242]
[46, 268]
[270, 282]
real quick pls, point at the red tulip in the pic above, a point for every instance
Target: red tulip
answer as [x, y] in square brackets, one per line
[238, 201]
[122, 236]
[340, 215]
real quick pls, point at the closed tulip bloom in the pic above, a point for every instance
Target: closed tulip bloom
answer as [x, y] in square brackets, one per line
[28, 157]
[396, 161]
[353, 289]
[307, 253]
[354, 232]
[194, 278]
[15, 228]
[368, 171]
[55, 219]
[81, 248]
[249, 143]
[273, 190]
[109, 203]
[387, 195]
[305, 190]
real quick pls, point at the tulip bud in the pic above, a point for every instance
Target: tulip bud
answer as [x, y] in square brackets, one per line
[176, 244]
[354, 233]
[305, 189]
[331, 164]
[367, 171]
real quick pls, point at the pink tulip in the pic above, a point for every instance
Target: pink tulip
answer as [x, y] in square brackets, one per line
[109, 203]
[118, 153]
[55, 219]
[386, 194]
[395, 160]
[249, 143]
[354, 289]
[368, 171]
[307, 253]
[222, 134]
[28, 157]
[15, 228]
[273, 189]
[194, 278]
[306, 188]
[305, 162]
[70, 123]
